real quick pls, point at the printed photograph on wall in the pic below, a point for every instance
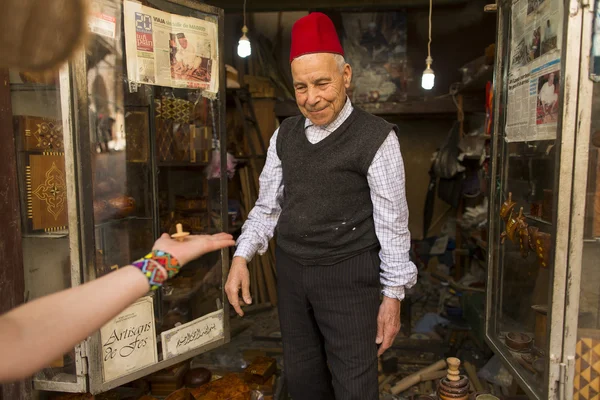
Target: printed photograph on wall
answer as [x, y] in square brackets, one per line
[549, 37]
[376, 47]
[187, 59]
[547, 101]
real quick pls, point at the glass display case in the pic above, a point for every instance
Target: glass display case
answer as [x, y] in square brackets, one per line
[543, 297]
[109, 158]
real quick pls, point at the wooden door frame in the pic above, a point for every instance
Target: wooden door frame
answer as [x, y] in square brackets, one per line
[12, 282]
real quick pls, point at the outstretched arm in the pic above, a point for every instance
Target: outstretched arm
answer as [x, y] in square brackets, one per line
[36, 333]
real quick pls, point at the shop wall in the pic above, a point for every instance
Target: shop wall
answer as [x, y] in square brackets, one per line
[460, 34]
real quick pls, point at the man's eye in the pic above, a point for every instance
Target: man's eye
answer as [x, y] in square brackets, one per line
[300, 89]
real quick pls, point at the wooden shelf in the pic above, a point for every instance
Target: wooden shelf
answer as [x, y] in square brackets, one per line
[537, 219]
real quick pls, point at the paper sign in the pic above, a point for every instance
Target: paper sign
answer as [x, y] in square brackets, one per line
[129, 340]
[192, 335]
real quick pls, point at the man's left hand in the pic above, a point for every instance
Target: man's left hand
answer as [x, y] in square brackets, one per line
[388, 323]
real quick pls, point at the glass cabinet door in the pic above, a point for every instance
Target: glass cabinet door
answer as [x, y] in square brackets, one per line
[530, 200]
[46, 172]
[150, 161]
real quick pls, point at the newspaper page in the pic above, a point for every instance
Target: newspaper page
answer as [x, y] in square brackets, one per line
[534, 72]
[170, 50]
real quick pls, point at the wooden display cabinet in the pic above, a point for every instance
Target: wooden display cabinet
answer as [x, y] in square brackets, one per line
[543, 302]
[104, 166]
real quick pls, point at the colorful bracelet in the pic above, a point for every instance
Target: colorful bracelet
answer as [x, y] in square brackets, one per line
[158, 266]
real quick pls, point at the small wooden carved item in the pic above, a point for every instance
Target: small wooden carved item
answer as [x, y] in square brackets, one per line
[197, 377]
[261, 369]
[518, 341]
[180, 235]
[230, 387]
[507, 208]
[122, 206]
[168, 380]
[454, 386]
[513, 226]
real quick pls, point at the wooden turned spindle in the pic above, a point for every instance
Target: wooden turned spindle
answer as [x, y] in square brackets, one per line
[453, 372]
[180, 235]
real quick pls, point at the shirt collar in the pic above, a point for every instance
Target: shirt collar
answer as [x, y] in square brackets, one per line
[342, 116]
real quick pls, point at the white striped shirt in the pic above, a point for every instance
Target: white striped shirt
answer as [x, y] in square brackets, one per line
[390, 212]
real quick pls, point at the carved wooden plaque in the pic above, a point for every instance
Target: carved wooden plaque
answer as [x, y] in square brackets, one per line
[47, 192]
[40, 134]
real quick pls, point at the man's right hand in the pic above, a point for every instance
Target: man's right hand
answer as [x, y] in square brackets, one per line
[239, 278]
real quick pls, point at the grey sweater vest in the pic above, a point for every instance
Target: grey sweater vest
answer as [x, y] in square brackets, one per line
[327, 212]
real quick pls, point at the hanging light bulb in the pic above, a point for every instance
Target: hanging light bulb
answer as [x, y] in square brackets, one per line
[244, 49]
[428, 79]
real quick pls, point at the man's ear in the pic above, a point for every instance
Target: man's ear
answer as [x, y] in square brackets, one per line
[347, 76]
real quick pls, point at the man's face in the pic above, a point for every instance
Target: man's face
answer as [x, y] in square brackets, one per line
[183, 42]
[320, 86]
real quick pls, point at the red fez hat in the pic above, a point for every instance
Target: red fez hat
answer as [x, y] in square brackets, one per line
[314, 33]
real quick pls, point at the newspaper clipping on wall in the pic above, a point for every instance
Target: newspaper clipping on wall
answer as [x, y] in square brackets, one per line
[534, 74]
[170, 50]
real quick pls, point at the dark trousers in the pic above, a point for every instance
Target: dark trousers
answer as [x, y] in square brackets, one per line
[328, 317]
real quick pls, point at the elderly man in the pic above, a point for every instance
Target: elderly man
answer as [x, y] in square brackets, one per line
[333, 187]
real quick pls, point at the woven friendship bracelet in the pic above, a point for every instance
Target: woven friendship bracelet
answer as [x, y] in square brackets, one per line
[158, 266]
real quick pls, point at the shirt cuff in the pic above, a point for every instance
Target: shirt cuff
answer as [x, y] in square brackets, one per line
[246, 251]
[393, 292]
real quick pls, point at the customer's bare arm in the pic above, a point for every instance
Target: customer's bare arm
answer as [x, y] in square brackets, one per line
[35, 334]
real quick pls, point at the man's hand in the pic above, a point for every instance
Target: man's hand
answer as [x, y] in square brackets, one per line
[388, 323]
[239, 278]
[193, 246]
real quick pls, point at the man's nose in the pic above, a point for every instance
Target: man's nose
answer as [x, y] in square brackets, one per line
[313, 96]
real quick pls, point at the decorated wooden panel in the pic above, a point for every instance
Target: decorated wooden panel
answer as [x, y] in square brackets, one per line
[47, 191]
[40, 134]
[587, 366]
[137, 132]
[178, 140]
